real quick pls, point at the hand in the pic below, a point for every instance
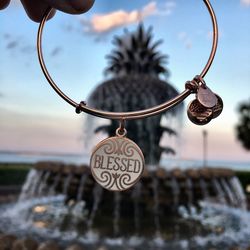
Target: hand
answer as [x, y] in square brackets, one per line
[35, 9]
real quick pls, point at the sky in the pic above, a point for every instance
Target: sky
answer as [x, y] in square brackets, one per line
[34, 118]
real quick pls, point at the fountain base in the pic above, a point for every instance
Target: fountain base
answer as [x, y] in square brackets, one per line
[173, 209]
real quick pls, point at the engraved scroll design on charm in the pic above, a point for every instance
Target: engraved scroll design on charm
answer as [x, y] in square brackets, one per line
[117, 163]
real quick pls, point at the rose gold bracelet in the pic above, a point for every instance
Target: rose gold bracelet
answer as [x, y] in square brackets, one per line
[117, 163]
[191, 86]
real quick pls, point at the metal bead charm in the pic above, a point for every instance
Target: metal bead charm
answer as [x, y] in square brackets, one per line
[217, 109]
[198, 114]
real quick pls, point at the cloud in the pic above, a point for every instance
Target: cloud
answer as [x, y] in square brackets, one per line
[18, 44]
[12, 44]
[102, 23]
[56, 51]
[245, 3]
[6, 36]
[184, 37]
[167, 9]
[28, 49]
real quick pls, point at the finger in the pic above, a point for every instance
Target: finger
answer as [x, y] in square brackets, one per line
[36, 9]
[72, 7]
[4, 4]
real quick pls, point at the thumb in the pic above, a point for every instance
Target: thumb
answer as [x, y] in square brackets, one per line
[35, 9]
[4, 4]
[71, 7]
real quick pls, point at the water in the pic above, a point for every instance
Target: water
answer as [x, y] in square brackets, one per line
[175, 191]
[208, 227]
[136, 196]
[189, 188]
[97, 194]
[29, 157]
[241, 198]
[32, 178]
[67, 183]
[117, 207]
[204, 189]
[81, 187]
[156, 205]
[219, 191]
[212, 227]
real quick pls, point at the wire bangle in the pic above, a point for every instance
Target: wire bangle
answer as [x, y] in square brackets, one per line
[190, 86]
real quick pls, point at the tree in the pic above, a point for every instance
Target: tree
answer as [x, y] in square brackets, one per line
[243, 127]
[135, 67]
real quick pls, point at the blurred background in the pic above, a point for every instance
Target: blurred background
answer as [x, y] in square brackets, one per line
[196, 198]
[75, 48]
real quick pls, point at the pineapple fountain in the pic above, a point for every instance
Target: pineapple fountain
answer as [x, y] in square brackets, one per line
[166, 209]
[136, 68]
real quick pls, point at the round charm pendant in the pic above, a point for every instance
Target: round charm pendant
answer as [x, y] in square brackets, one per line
[117, 163]
[218, 107]
[206, 97]
[198, 114]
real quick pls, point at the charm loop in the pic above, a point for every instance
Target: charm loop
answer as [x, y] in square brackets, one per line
[121, 131]
[135, 114]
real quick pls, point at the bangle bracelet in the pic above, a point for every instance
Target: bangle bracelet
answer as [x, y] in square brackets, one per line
[117, 162]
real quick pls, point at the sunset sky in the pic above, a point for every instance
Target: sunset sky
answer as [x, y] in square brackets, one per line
[34, 118]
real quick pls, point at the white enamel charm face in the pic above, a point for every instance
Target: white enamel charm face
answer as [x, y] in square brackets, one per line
[117, 163]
